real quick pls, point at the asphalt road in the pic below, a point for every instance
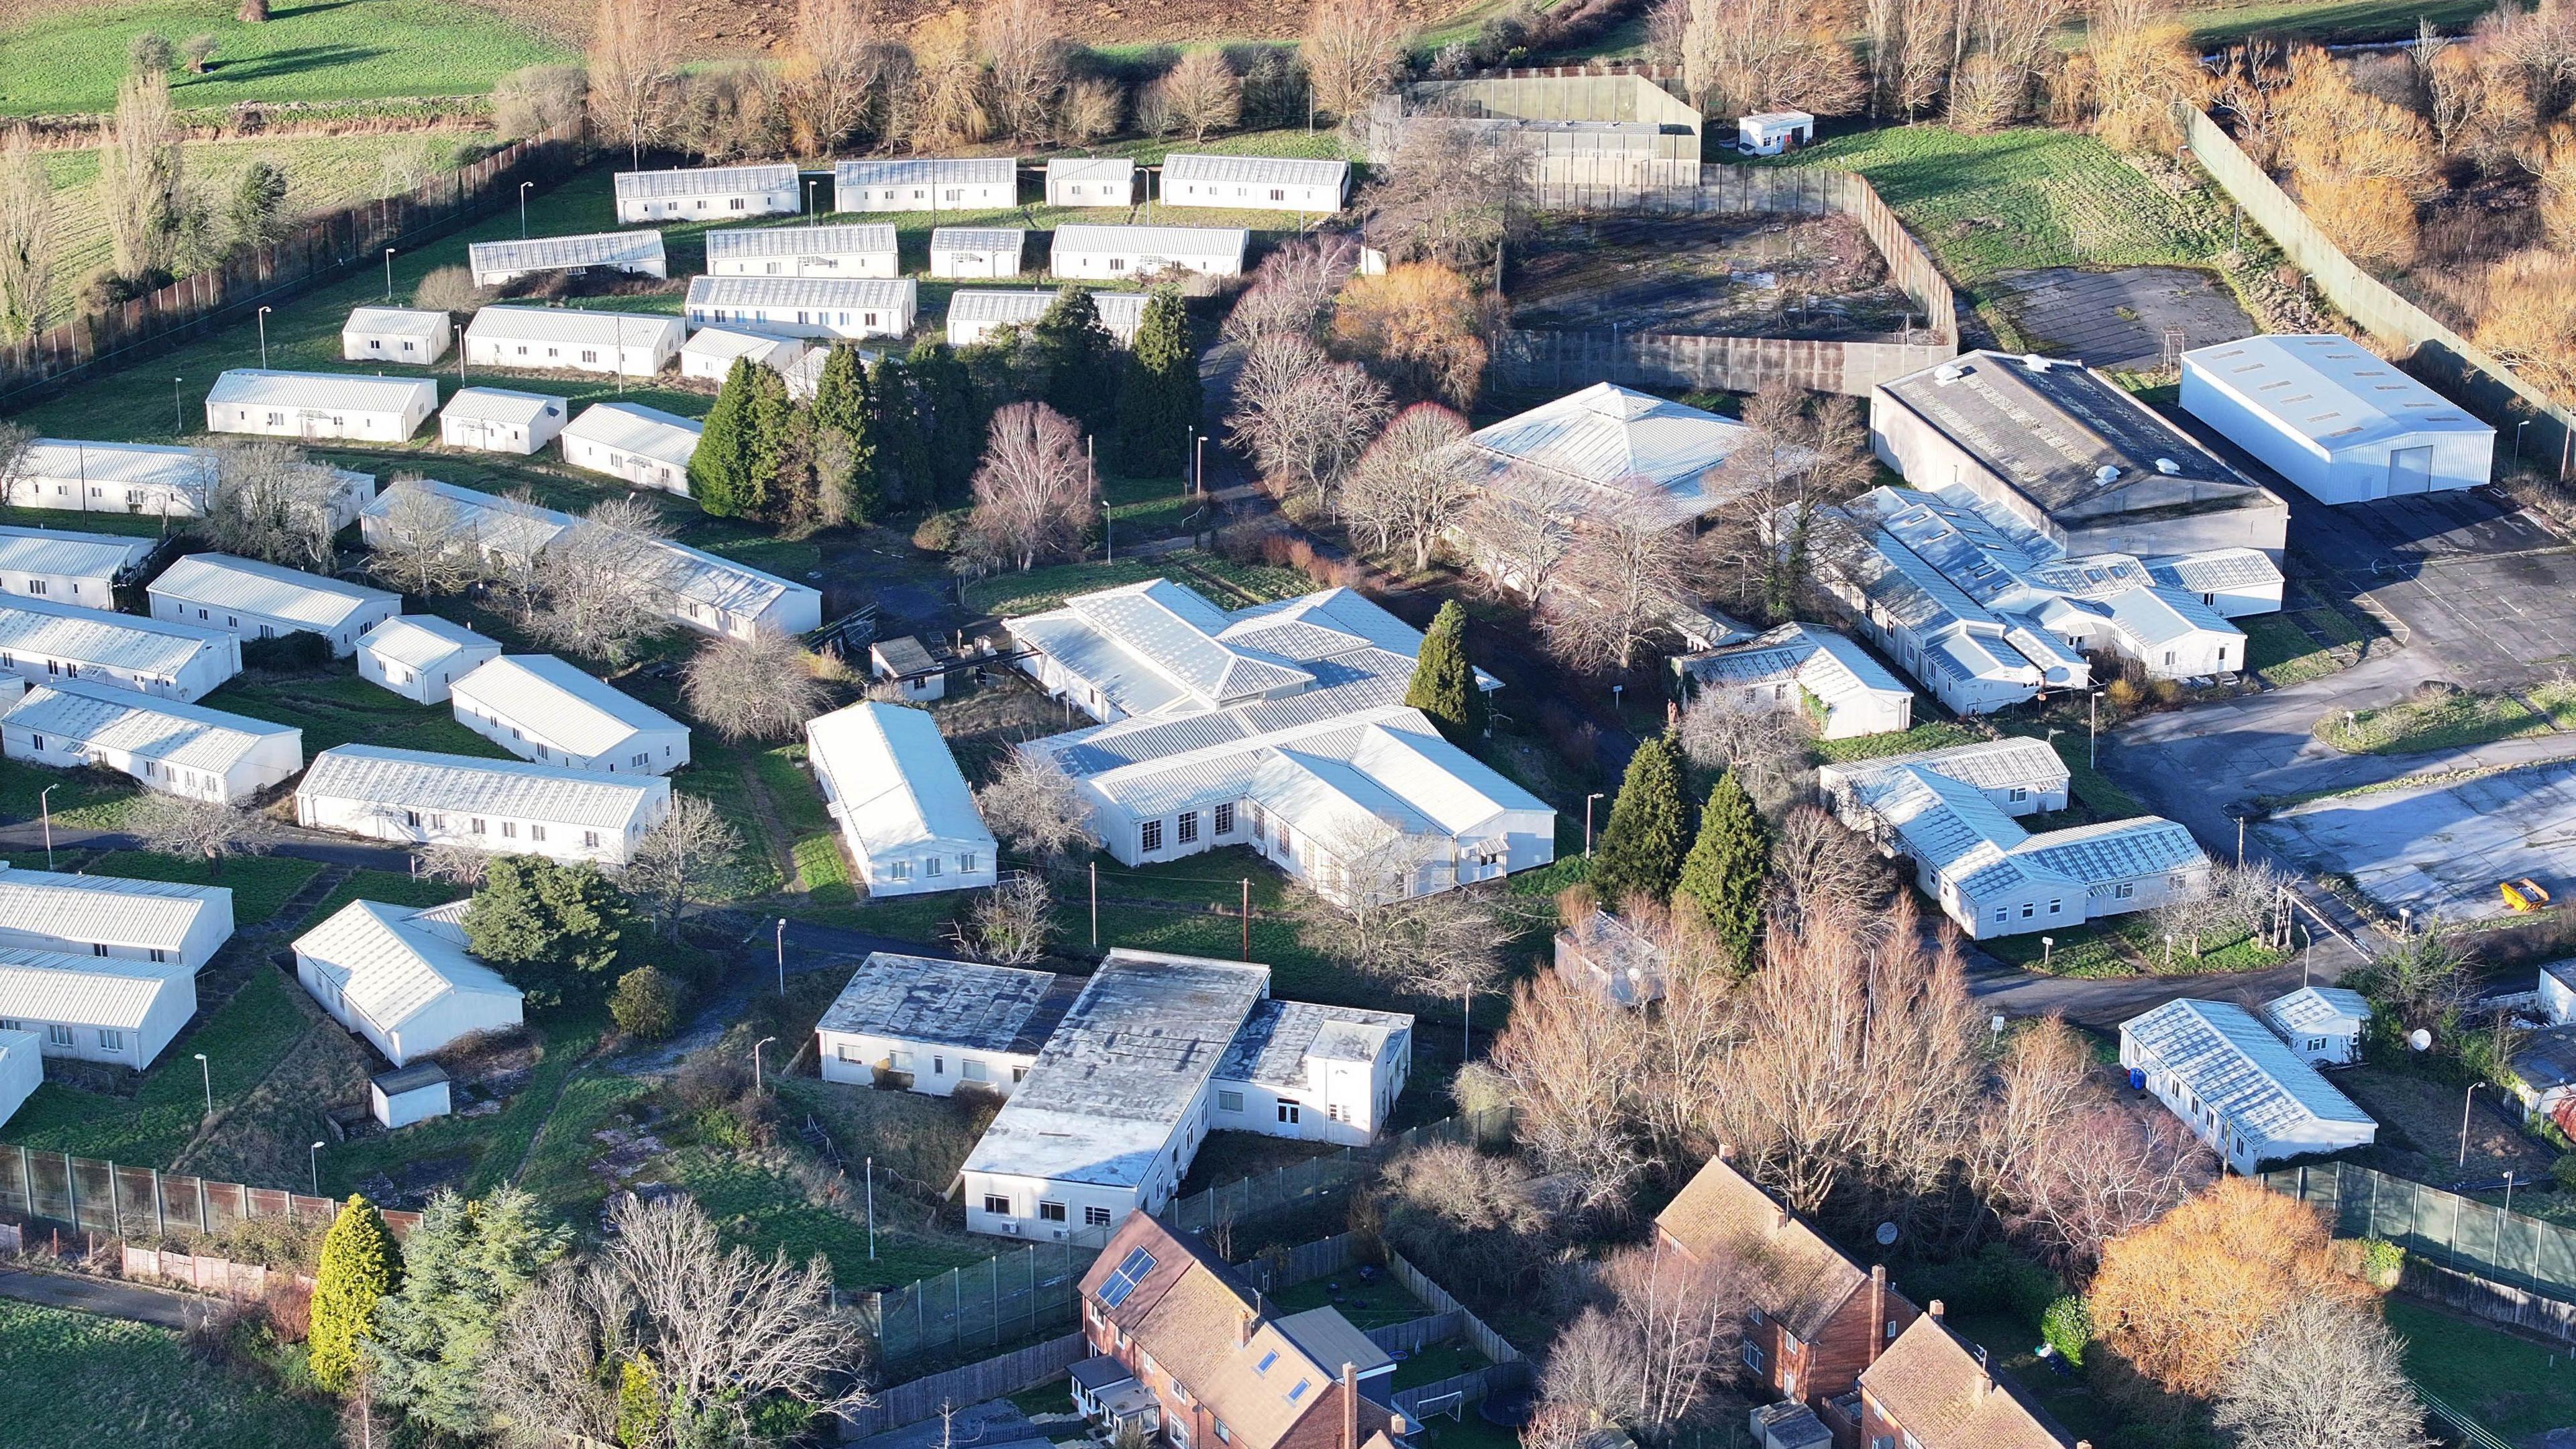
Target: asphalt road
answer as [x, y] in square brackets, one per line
[110, 1300]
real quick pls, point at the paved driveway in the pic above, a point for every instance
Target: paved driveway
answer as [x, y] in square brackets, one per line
[2479, 588]
[110, 1300]
[2118, 318]
[2442, 850]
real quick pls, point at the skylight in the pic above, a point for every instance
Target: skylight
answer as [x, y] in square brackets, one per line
[1299, 1392]
[1130, 1272]
[1267, 1360]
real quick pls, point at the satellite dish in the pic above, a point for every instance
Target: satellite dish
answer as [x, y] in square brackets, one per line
[1886, 1235]
[2420, 1039]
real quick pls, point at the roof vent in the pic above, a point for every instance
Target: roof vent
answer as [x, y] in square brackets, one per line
[2106, 474]
[2034, 362]
[2169, 467]
[1948, 372]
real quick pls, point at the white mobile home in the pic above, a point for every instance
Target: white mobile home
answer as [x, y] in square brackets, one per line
[406, 335]
[1255, 183]
[504, 806]
[2335, 418]
[1090, 181]
[2237, 1087]
[105, 915]
[318, 405]
[935, 1025]
[976, 251]
[22, 1070]
[858, 249]
[179, 749]
[718, 596]
[2322, 1024]
[499, 420]
[506, 533]
[87, 1009]
[264, 601]
[1122, 253]
[927, 183]
[1804, 668]
[41, 641]
[540, 708]
[635, 253]
[710, 352]
[421, 656]
[705, 193]
[974, 315]
[69, 567]
[805, 306]
[645, 446]
[401, 977]
[905, 811]
[151, 479]
[566, 339]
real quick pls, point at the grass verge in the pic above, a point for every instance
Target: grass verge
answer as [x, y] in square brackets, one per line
[74, 1381]
[261, 884]
[2447, 722]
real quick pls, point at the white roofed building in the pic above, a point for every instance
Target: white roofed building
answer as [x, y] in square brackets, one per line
[2237, 1086]
[42, 641]
[1768, 133]
[1090, 181]
[316, 406]
[710, 352]
[165, 922]
[635, 253]
[1257, 183]
[861, 249]
[407, 335]
[421, 656]
[499, 420]
[156, 480]
[976, 251]
[706, 193]
[644, 446]
[506, 533]
[974, 314]
[1801, 667]
[401, 977]
[68, 567]
[848, 308]
[265, 601]
[1128, 253]
[2330, 415]
[2322, 1025]
[926, 183]
[22, 1070]
[936, 1025]
[571, 339]
[905, 812]
[180, 749]
[96, 1009]
[540, 708]
[504, 806]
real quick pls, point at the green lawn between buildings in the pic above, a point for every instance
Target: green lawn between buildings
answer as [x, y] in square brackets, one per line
[78, 1381]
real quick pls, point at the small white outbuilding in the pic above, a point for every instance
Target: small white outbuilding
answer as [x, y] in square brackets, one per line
[405, 1095]
[806, 306]
[2320, 1024]
[645, 446]
[501, 420]
[1768, 133]
[905, 811]
[976, 251]
[69, 567]
[853, 249]
[2335, 418]
[540, 708]
[401, 977]
[258, 600]
[406, 335]
[421, 656]
[1091, 181]
[570, 339]
[1123, 253]
[926, 183]
[315, 406]
[635, 253]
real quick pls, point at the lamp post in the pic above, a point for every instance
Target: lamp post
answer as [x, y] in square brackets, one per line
[2092, 726]
[1587, 819]
[315, 1157]
[178, 414]
[2517, 441]
[523, 209]
[2047, 948]
[779, 937]
[1201, 466]
[389, 274]
[208, 1074]
[44, 809]
[872, 1209]
[2307, 953]
[755, 1062]
[2467, 1097]
[263, 339]
[2405, 922]
[2168, 950]
[809, 201]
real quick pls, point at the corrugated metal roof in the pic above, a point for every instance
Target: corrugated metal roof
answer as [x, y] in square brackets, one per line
[573, 326]
[894, 781]
[132, 463]
[423, 641]
[704, 181]
[1121, 313]
[396, 322]
[190, 736]
[593, 249]
[502, 405]
[492, 522]
[923, 171]
[721, 583]
[135, 643]
[1090, 168]
[393, 965]
[108, 991]
[66, 552]
[885, 293]
[2235, 1064]
[322, 391]
[873, 238]
[1825, 664]
[2330, 390]
[1615, 440]
[956, 1003]
[977, 239]
[726, 344]
[2014, 762]
[420, 780]
[253, 587]
[2319, 1008]
[1220, 243]
[1201, 168]
[635, 428]
[557, 702]
[2217, 571]
[84, 910]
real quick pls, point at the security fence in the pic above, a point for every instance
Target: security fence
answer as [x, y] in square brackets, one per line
[122, 1201]
[2443, 1228]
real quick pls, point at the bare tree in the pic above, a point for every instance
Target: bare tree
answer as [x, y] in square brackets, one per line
[1383, 900]
[1033, 495]
[557, 1380]
[1681, 1321]
[1762, 745]
[422, 546]
[1024, 42]
[1200, 93]
[1412, 482]
[460, 864]
[1033, 805]
[602, 582]
[207, 830]
[1817, 867]
[30, 241]
[634, 71]
[2323, 1375]
[1800, 456]
[540, 99]
[1520, 526]
[1292, 290]
[271, 503]
[1619, 584]
[1571, 1058]
[1090, 109]
[1352, 50]
[760, 688]
[946, 102]
[1453, 193]
[1303, 417]
[687, 858]
[833, 67]
[1013, 922]
[1756, 55]
[139, 177]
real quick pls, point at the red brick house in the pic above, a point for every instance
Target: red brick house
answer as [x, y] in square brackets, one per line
[1188, 1352]
[1933, 1390]
[1818, 1319]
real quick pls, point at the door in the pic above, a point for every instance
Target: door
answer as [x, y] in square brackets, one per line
[2410, 470]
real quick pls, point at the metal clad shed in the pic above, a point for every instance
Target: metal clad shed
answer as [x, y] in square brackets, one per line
[926, 183]
[2335, 418]
[976, 251]
[1091, 181]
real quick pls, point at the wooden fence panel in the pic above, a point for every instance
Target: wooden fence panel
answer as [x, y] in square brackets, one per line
[1489, 1343]
[1417, 1333]
[992, 1378]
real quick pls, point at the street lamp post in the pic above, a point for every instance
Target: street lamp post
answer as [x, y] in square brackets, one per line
[316, 1158]
[2467, 1097]
[178, 414]
[208, 1073]
[389, 274]
[2517, 440]
[45, 810]
[2307, 953]
[780, 939]
[809, 201]
[2092, 727]
[872, 1209]
[755, 1062]
[1587, 819]
[523, 209]
[263, 338]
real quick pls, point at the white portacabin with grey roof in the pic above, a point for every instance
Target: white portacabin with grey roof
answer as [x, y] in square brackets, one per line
[69, 567]
[95, 1009]
[572, 339]
[265, 601]
[1124, 253]
[155, 480]
[420, 656]
[410, 336]
[926, 183]
[706, 193]
[111, 916]
[501, 420]
[645, 446]
[933, 1025]
[905, 812]
[2342, 422]
[316, 406]
[42, 640]
[2323, 1025]
[1090, 181]
[506, 806]
[975, 314]
[854, 249]
[540, 708]
[849, 308]
[635, 253]
[178, 749]
[1256, 183]
[976, 251]
[2238, 1087]
[710, 352]
[402, 977]
[1793, 665]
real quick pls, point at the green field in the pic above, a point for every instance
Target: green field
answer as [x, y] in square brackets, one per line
[71, 58]
[2450, 722]
[339, 708]
[2513, 1387]
[74, 1381]
[260, 884]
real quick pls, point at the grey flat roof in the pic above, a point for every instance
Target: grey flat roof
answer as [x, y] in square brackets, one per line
[957, 1003]
[1276, 1039]
[409, 1079]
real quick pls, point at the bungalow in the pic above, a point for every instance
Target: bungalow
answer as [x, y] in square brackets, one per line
[540, 708]
[68, 567]
[263, 601]
[111, 916]
[974, 315]
[635, 253]
[315, 406]
[2322, 1025]
[420, 656]
[1126, 253]
[710, 352]
[497, 805]
[849, 308]
[976, 251]
[155, 480]
[506, 533]
[852, 250]
[933, 1026]
[408, 335]
[89, 1009]
[644, 446]
[568, 339]
[1257, 183]
[1823, 675]
[180, 749]
[927, 183]
[41, 640]
[906, 814]
[1936, 1390]
[499, 420]
[704, 193]
[2237, 1086]
[22, 1070]
[1090, 181]
[401, 977]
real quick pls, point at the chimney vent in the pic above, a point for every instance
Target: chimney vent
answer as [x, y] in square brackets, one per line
[1936, 1308]
[1877, 1309]
[1350, 1406]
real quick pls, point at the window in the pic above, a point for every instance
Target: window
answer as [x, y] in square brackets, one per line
[1753, 1357]
[1225, 819]
[1149, 836]
[509, 830]
[2169, 658]
[899, 1061]
[111, 1041]
[1278, 194]
[898, 870]
[474, 823]
[2315, 1043]
[35, 586]
[1229, 1101]
[159, 954]
[60, 1036]
[1267, 1360]
[98, 948]
[1224, 1435]
[930, 865]
[590, 839]
[966, 863]
[538, 832]
[2124, 890]
[972, 1070]
[1258, 821]
[2055, 906]
[1189, 823]
[1050, 1212]
[1288, 1112]
[2002, 914]
[2018, 795]
[938, 1065]
[2029, 909]
[996, 1204]
[1299, 1391]
[1095, 1217]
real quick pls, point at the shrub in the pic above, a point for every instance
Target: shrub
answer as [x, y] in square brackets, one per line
[287, 653]
[2382, 1260]
[646, 1004]
[450, 289]
[150, 53]
[941, 532]
[289, 1307]
[2068, 1327]
[252, 12]
[200, 51]
[2124, 695]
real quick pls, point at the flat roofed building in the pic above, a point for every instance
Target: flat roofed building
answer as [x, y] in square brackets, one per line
[2238, 1087]
[1591, 140]
[508, 806]
[635, 253]
[155, 480]
[1124, 253]
[1934, 1389]
[499, 420]
[856, 249]
[2337, 419]
[319, 405]
[1805, 668]
[408, 335]
[904, 657]
[932, 1025]
[506, 533]
[805, 306]
[905, 812]
[420, 656]
[1768, 133]
[96, 1009]
[2322, 1024]
[706, 193]
[401, 977]
[926, 183]
[1090, 181]
[569, 339]
[112, 916]
[264, 601]
[976, 251]
[1256, 183]
[179, 749]
[710, 352]
[540, 708]
[41, 640]
[22, 1070]
[1314, 1072]
[2071, 455]
[975, 314]
[644, 446]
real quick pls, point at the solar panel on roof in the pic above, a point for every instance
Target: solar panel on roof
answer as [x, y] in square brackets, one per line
[1131, 1271]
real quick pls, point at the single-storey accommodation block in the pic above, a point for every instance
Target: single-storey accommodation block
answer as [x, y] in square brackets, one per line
[1090, 181]
[41, 641]
[504, 806]
[179, 749]
[22, 1070]
[571, 339]
[401, 977]
[905, 811]
[854, 249]
[975, 314]
[706, 193]
[105, 915]
[69, 567]
[93, 1009]
[540, 708]
[718, 596]
[1932, 1388]
[2239, 1088]
[976, 251]
[1124, 253]
[155, 480]
[927, 183]
[645, 446]
[2321, 1024]
[407, 335]
[421, 656]
[805, 306]
[507, 533]
[265, 601]
[1768, 133]
[500, 420]
[2330, 415]
[635, 253]
[932, 1026]
[1255, 183]
[710, 352]
[405, 1095]
[906, 658]
[1823, 675]
[2230, 582]
[316, 406]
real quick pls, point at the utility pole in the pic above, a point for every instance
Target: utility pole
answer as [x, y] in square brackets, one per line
[872, 1209]
[1095, 905]
[1247, 918]
[781, 940]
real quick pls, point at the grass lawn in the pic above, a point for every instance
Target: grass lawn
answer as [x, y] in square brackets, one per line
[261, 884]
[2127, 946]
[1934, 733]
[496, 1143]
[2277, 649]
[2095, 797]
[242, 1040]
[1377, 1303]
[96, 796]
[391, 887]
[2515, 1388]
[339, 708]
[2447, 723]
[73, 1380]
[1041, 589]
[2332, 23]
[1436, 1361]
[763, 1210]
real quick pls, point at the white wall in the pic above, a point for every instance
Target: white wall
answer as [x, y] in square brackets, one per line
[668, 749]
[937, 1069]
[1251, 196]
[206, 935]
[453, 1016]
[501, 437]
[22, 1071]
[417, 1105]
[274, 759]
[343, 637]
[949, 196]
[1120, 266]
[849, 323]
[424, 686]
[560, 841]
[1091, 191]
[1088, 1207]
[171, 1008]
[206, 668]
[94, 591]
[316, 423]
[959, 865]
[645, 351]
[835, 264]
[635, 468]
[976, 264]
[385, 347]
[714, 206]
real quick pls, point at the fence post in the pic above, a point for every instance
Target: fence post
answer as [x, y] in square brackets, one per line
[160, 1212]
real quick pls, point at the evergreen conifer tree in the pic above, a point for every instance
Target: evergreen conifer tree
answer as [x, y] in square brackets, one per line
[720, 470]
[958, 419]
[463, 1262]
[360, 1265]
[553, 930]
[1721, 879]
[1640, 853]
[1159, 401]
[772, 446]
[1082, 362]
[902, 448]
[1444, 678]
[845, 436]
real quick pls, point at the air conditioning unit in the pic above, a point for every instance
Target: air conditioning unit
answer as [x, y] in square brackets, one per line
[1011, 1228]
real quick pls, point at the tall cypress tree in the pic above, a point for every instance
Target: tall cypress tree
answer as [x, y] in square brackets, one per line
[1721, 879]
[772, 445]
[1444, 678]
[1082, 362]
[1640, 853]
[958, 418]
[902, 449]
[1160, 399]
[845, 435]
[720, 470]
[554, 931]
[360, 1265]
